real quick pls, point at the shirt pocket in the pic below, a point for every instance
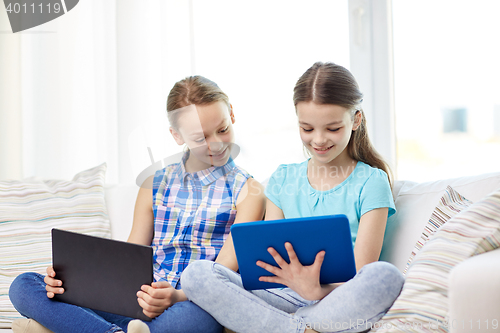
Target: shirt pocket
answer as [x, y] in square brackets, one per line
[213, 224]
[167, 224]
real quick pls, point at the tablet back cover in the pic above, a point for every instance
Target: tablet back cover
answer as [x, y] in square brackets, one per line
[308, 236]
[101, 274]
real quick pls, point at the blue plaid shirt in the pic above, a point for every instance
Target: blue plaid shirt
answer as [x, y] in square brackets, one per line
[193, 213]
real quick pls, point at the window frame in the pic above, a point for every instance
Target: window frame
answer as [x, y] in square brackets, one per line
[372, 63]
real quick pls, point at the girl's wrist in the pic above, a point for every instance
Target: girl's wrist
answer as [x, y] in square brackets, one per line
[327, 289]
[316, 293]
[180, 296]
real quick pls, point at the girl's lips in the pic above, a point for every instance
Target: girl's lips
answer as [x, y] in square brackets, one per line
[220, 155]
[322, 150]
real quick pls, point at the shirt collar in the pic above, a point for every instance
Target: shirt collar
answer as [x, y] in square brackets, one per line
[206, 176]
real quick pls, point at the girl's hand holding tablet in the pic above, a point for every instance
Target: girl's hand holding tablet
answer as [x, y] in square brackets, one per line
[53, 285]
[158, 297]
[304, 280]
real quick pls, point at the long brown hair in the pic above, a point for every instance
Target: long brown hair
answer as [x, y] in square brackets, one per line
[329, 83]
[196, 90]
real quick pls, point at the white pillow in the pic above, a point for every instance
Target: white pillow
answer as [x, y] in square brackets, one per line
[450, 204]
[422, 305]
[30, 208]
[415, 203]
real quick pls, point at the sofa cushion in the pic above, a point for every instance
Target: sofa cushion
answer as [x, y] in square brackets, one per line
[30, 208]
[415, 202]
[423, 303]
[450, 204]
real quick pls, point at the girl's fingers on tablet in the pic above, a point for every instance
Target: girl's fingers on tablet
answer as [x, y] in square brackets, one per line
[52, 291]
[291, 253]
[50, 271]
[270, 268]
[53, 286]
[276, 256]
[148, 309]
[52, 282]
[149, 299]
[318, 261]
[272, 279]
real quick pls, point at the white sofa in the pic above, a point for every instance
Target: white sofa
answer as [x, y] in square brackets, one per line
[474, 284]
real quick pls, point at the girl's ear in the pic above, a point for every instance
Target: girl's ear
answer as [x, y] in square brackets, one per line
[231, 114]
[177, 137]
[357, 120]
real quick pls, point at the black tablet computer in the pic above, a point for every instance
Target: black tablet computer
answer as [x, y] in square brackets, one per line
[101, 274]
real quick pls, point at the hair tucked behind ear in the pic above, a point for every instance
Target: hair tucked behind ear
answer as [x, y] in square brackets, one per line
[328, 83]
[196, 90]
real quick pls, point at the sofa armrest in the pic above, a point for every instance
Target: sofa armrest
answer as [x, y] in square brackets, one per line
[474, 294]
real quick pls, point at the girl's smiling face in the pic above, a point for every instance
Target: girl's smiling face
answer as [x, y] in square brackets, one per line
[208, 132]
[325, 130]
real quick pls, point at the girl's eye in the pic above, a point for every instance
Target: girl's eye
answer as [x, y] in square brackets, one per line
[224, 130]
[334, 129]
[199, 140]
[307, 129]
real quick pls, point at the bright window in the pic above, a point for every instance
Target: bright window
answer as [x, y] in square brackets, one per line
[447, 88]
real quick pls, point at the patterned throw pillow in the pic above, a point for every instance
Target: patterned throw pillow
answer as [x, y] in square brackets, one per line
[423, 303]
[450, 204]
[30, 208]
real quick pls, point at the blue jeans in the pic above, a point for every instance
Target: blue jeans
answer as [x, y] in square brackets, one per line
[353, 307]
[27, 293]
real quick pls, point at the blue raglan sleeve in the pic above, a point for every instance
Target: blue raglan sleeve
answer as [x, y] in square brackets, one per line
[376, 193]
[274, 186]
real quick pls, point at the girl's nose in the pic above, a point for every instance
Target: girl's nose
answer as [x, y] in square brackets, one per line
[319, 139]
[215, 145]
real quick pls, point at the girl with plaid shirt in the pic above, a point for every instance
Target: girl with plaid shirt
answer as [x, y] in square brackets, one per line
[184, 212]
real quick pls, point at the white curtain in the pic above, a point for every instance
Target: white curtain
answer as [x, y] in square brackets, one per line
[91, 86]
[67, 99]
[75, 89]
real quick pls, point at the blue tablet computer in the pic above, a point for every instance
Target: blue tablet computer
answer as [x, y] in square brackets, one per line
[308, 236]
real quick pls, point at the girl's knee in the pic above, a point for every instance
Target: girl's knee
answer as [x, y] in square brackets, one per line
[393, 274]
[385, 273]
[24, 282]
[195, 275]
[382, 267]
[23, 288]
